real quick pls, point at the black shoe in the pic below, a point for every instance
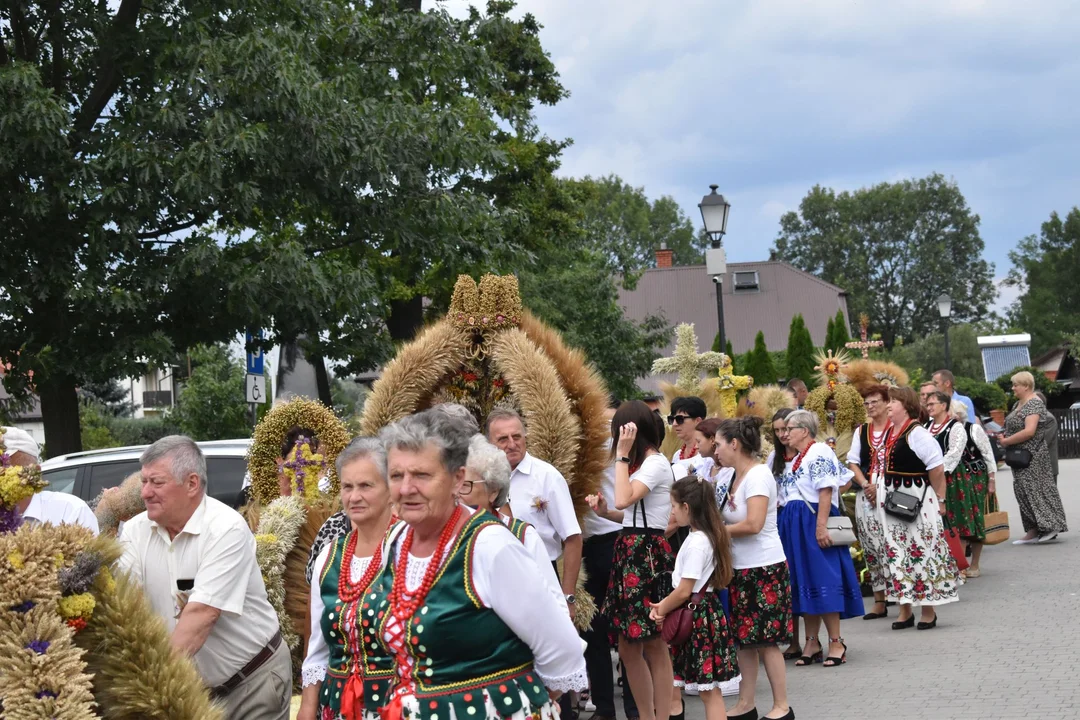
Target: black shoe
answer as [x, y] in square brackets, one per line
[927, 625]
[876, 615]
[904, 624]
[750, 714]
[789, 716]
[681, 715]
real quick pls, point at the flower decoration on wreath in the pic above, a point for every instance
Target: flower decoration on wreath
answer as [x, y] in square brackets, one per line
[489, 352]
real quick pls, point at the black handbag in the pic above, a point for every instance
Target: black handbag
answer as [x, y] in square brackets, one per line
[1017, 458]
[905, 506]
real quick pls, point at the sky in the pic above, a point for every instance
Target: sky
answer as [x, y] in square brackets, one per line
[770, 97]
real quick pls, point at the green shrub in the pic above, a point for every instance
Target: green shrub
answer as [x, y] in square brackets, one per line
[986, 396]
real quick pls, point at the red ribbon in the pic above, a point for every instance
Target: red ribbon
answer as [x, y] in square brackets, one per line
[391, 711]
[352, 700]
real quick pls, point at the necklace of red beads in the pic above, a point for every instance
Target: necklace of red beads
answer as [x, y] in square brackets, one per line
[686, 453]
[935, 429]
[877, 449]
[799, 458]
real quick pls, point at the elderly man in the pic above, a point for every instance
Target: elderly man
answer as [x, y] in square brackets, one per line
[195, 558]
[798, 389]
[944, 380]
[540, 496]
[50, 508]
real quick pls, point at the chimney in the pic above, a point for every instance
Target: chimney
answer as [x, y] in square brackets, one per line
[664, 257]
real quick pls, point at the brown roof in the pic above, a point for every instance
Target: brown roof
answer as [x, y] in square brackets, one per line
[688, 294]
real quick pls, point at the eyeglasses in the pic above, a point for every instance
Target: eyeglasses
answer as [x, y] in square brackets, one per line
[871, 403]
[677, 419]
[467, 486]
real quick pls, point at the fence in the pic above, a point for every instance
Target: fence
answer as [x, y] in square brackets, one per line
[1068, 432]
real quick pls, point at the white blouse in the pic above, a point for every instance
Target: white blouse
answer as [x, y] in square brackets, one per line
[317, 660]
[983, 443]
[656, 474]
[819, 469]
[954, 447]
[506, 581]
[925, 447]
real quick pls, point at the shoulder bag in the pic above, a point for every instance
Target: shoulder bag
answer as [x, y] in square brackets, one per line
[841, 531]
[905, 506]
[680, 621]
[1017, 458]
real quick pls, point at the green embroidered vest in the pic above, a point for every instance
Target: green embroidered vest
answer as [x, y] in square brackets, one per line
[518, 527]
[459, 647]
[376, 666]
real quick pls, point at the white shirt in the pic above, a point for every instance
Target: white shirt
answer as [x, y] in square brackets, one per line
[55, 508]
[877, 440]
[216, 550]
[656, 474]
[695, 560]
[925, 447]
[818, 470]
[540, 496]
[506, 581]
[954, 446]
[753, 551]
[721, 484]
[593, 523]
[535, 547]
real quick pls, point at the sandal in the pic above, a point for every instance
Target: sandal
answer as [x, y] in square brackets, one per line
[805, 660]
[836, 661]
[792, 654]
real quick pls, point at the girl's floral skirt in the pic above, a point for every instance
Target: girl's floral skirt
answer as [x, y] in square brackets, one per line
[708, 658]
[761, 605]
[640, 576]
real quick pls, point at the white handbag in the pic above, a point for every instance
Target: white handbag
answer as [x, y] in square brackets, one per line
[841, 531]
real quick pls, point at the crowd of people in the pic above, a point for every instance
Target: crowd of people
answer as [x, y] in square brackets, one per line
[445, 586]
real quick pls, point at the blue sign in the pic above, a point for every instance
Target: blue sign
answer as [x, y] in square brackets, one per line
[254, 356]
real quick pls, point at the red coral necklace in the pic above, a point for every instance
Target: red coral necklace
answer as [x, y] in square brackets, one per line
[798, 460]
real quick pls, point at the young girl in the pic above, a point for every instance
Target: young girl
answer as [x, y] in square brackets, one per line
[708, 657]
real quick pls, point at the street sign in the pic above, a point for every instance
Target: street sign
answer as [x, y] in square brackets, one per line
[254, 356]
[256, 389]
[715, 262]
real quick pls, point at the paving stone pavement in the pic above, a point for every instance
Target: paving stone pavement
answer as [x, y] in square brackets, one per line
[1008, 650]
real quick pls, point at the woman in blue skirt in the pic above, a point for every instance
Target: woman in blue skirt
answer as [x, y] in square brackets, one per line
[824, 585]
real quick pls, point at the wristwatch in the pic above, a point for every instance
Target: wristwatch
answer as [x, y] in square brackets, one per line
[623, 460]
[571, 599]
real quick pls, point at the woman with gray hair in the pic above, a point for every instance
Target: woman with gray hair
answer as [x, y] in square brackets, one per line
[979, 469]
[824, 586]
[338, 662]
[472, 627]
[487, 487]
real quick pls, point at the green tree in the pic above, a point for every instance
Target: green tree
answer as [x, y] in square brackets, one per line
[111, 395]
[830, 335]
[840, 332]
[759, 364]
[212, 404]
[894, 248]
[985, 396]
[730, 352]
[800, 352]
[926, 355]
[175, 173]
[1045, 268]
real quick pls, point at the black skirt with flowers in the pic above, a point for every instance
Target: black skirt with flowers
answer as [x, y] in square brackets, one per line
[708, 657]
[641, 562]
[761, 605]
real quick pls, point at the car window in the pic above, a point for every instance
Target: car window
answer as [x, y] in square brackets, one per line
[225, 476]
[61, 479]
[107, 475]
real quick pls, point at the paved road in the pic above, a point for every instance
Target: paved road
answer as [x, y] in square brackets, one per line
[1008, 650]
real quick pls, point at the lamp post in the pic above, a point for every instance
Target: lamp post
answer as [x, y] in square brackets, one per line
[944, 305]
[714, 215]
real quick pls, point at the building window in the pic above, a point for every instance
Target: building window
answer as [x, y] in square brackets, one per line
[746, 280]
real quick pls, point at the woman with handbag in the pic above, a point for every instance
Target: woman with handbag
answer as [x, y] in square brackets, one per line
[824, 586]
[642, 560]
[1033, 476]
[779, 462]
[920, 569]
[979, 469]
[963, 503]
[692, 616]
[760, 588]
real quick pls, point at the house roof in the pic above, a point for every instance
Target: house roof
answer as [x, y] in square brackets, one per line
[33, 414]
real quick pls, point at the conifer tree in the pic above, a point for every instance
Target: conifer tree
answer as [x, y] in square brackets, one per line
[759, 364]
[800, 351]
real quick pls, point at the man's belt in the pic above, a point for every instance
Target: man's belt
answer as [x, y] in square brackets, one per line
[256, 662]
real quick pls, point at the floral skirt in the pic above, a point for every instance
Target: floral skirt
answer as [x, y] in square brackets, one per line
[871, 532]
[823, 580]
[761, 605]
[920, 569]
[640, 564]
[965, 499]
[708, 658]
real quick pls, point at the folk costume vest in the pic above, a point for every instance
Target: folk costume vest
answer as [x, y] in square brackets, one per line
[943, 435]
[357, 650]
[458, 647]
[865, 458]
[518, 527]
[902, 465]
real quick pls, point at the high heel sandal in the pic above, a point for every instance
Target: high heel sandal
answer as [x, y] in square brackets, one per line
[904, 624]
[806, 660]
[790, 655]
[837, 661]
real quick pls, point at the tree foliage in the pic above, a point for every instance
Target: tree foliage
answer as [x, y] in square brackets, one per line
[925, 356]
[985, 396]
[800, 352]
[836, 333]
[729, 350]
[177, 172]
[759, 364]
[212, 404]
[1046, 269]
[894, 248]
[111, 395]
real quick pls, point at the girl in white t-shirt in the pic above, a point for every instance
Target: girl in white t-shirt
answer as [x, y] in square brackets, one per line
[703, 565]
[760, 590]
[642, 556]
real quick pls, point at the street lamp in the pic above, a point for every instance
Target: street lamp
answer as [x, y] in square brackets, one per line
[714, 215]
[944, 305]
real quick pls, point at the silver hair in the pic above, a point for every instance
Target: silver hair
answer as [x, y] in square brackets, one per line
[430, 427]
[804, 419]
[185, 455]
[362, 448]
[502, 413]
[959, 411]
[460, 413]
[490, 463]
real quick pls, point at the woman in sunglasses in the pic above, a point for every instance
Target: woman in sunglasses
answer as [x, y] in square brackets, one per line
[686, 413]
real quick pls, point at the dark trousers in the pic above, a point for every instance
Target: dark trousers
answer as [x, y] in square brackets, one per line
[596, 556]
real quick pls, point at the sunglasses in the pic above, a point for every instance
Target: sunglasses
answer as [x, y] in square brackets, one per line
[677, 419]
